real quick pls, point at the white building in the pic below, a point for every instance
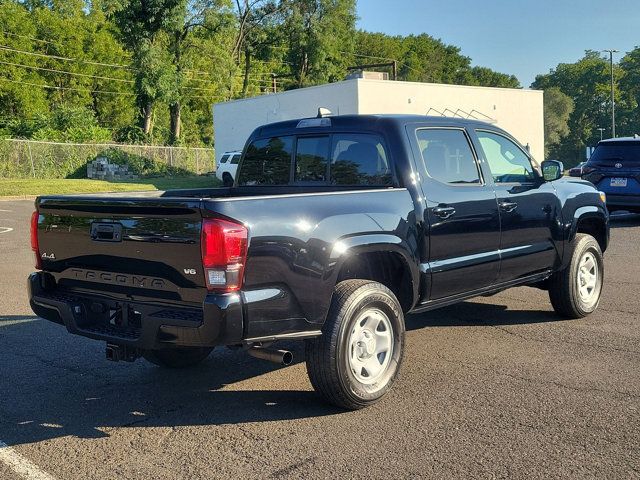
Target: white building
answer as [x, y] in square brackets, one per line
[520, 112]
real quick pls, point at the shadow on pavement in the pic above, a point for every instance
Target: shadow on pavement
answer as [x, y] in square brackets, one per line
[471, 313]
[60, 385]
[624, 220]
[51, 394]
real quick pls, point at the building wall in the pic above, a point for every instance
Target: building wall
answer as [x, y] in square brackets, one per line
[520, 112]
[234, 121]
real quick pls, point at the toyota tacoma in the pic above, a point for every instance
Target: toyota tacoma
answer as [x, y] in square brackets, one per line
[335, 228]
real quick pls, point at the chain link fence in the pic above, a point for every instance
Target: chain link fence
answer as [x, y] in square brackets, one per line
[37, 159]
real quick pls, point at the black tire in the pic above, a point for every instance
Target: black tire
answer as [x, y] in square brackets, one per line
[563, 286]
[227, 179]
[182, 357]
[327, 356]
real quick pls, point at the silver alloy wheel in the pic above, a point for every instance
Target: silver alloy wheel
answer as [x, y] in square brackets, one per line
[370, 346]
[587, 278]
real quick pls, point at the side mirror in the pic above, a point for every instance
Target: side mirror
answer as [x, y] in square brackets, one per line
[552, 170]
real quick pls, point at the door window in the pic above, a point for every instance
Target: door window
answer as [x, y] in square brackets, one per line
[507, 162]
[448, 157]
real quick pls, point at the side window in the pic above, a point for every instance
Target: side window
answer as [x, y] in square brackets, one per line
[359, 159]
[311, 159]
[448, 157]
[236, 159]
[267, 162]
[507, 162]
[224, 159]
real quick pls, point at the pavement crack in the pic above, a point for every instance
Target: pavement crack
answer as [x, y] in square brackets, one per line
[283, 472]
[52, 364]
[538, 381]
[568, 342]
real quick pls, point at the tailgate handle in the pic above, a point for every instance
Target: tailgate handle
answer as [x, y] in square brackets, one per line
[106, 232]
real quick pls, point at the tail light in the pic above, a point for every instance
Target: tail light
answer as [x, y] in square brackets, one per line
[224, 252]
[586, 170]
[34, 238]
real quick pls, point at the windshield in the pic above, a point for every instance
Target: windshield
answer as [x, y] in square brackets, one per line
[626, 153]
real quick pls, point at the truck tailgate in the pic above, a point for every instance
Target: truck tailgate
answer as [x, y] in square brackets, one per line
[141, 248]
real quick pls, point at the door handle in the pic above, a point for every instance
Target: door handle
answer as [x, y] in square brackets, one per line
[443, 212]
[507, 206]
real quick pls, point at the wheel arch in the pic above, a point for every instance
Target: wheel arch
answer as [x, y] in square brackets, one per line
[592, 221]
[383, 258]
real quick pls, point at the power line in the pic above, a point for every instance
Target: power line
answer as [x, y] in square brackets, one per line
[69, 59]
[52, 87]
[373, 57]
[66, 59]
[65, 72]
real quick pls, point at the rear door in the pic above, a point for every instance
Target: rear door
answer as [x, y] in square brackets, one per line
[529, 208]
[464, 232]
[133, 248]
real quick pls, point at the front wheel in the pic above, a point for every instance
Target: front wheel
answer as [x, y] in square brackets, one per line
[575, 291]
[357, 358]
[181, 357]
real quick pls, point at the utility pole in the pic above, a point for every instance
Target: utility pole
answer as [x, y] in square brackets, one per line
[613, 99]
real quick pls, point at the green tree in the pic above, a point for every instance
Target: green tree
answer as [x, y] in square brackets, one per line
[320, 36]
[557, 110]
[143, 27]
[587, 82]
[422, 58]
[629, 118]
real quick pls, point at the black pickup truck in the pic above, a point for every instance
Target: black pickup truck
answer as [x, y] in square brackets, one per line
[335, 228]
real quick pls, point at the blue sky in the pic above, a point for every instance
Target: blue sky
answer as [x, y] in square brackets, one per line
[520, 37]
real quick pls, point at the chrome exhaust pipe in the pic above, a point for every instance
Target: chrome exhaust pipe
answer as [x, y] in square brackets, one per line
[281, 357]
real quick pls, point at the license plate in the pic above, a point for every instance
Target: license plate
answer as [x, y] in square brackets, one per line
[618, 182]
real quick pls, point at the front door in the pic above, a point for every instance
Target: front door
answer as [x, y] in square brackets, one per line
[528, 208]
[464, 225]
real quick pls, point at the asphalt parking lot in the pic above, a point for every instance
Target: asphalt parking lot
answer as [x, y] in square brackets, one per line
[493, 387]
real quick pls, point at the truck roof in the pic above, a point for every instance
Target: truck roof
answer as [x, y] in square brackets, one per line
[364, 122]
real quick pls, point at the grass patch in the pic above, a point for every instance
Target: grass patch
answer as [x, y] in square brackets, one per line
[56, 186]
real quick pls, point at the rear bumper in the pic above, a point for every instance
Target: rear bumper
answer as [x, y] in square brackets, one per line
[139, 325]
[623, 202]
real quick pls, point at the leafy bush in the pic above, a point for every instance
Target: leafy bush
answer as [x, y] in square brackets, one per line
[142, 165]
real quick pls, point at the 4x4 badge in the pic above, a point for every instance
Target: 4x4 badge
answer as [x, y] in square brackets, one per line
[51, 256]
[618, 165]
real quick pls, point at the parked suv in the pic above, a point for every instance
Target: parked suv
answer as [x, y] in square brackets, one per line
[614, 167]
[227, 168]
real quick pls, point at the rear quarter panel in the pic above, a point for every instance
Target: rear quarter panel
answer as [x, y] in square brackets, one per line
[297, 244]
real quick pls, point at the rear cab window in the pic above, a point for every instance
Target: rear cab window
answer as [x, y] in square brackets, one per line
[267, 161]
[348, 159]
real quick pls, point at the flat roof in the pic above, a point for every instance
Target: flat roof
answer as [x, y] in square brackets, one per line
[388, 83]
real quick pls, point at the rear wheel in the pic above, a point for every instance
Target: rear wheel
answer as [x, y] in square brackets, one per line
[182, 357]
[357, 358]
[227, 179]
[575, 291]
